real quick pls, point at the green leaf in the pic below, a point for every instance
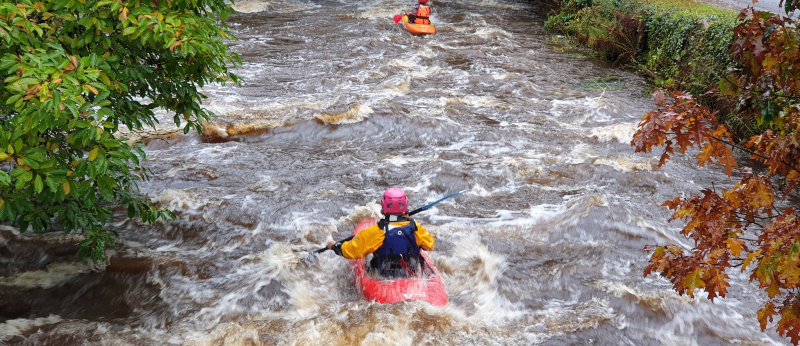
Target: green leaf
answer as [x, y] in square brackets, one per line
[23, 179]
[82, 252]
[38, 157]
[51, 184]
[97, 81]
[37, 184]
[93, 154]
[23, 225]
[16, 172]
[4, 178]
[98, 255]
[13, 99]
[30, 162]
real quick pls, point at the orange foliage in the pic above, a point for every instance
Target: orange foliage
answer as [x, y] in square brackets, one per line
[768, 89]
[679, 120]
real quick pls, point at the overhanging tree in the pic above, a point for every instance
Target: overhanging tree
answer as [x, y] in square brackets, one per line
[750, 225]
[72, 73]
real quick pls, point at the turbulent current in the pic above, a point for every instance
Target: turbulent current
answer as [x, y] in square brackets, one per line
[338, 104]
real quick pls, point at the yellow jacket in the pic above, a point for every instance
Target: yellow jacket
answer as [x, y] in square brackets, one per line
[370, 239]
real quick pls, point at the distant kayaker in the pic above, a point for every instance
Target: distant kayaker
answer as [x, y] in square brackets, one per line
[394, 242]
[420, 14]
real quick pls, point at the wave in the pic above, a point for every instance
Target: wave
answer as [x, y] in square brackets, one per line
[221, 131]
[21, 325]
[357, 113]
[254, 6]
[54, 275]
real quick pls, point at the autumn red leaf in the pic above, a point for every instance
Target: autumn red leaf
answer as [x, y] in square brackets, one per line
[716, 283]
[746, 225]
[765, 314]
[789, 325]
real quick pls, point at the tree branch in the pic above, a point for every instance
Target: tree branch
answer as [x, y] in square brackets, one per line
[754, 153]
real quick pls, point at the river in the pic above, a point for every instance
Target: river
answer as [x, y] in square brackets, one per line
[339, 103]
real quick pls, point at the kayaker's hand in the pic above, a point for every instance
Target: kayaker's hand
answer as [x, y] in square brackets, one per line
[336, 247]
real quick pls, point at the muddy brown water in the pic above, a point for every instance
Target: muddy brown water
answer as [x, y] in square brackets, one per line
[339, 104]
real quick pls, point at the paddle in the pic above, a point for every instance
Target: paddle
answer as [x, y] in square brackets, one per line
[420, 209]
[397, 18]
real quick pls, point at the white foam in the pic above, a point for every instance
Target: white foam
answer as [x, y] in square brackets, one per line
[486, 32]
[574, 112]
[371, 209]
[411, 62]
[624, 164]
[272, 109]
[651, 298]
[537, 217]
[622, 132]
[501, 75]
[470, 100]
[20, 325]
[54, 275]
[217, 154]
[358, 113]
[570, 317]
[480, 191]
[228, 334]
[390, 334]
[403, 160]
[7, 228]
[183, 200]
[662, 230]
[252, 6]
[476, 280]
[267, 184]
[394, 87]
[380, 13]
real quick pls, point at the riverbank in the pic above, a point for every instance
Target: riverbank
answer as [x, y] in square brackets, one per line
[674, 43]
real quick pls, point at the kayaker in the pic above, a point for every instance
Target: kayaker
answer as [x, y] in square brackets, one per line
[394, 242]
[420, 14]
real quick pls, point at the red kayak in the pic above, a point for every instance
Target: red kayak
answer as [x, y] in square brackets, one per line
[427, 288]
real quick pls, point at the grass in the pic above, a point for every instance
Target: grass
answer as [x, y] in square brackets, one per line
[688, 8]
[681, 43]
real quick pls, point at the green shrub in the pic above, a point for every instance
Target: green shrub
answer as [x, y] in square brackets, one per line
[676, 43]
[568, 11]
[72, 74]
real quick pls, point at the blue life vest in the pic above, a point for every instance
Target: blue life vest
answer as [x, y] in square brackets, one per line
[399, 240]
[398, 251]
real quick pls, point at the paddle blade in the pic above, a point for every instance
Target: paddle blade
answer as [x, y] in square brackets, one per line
[309, 258]
[397, 18]
[426, 207]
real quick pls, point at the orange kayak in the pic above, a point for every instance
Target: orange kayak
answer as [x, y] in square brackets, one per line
[418, 29]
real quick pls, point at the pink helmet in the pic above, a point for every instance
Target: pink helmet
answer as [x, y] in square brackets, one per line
[394, 201]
